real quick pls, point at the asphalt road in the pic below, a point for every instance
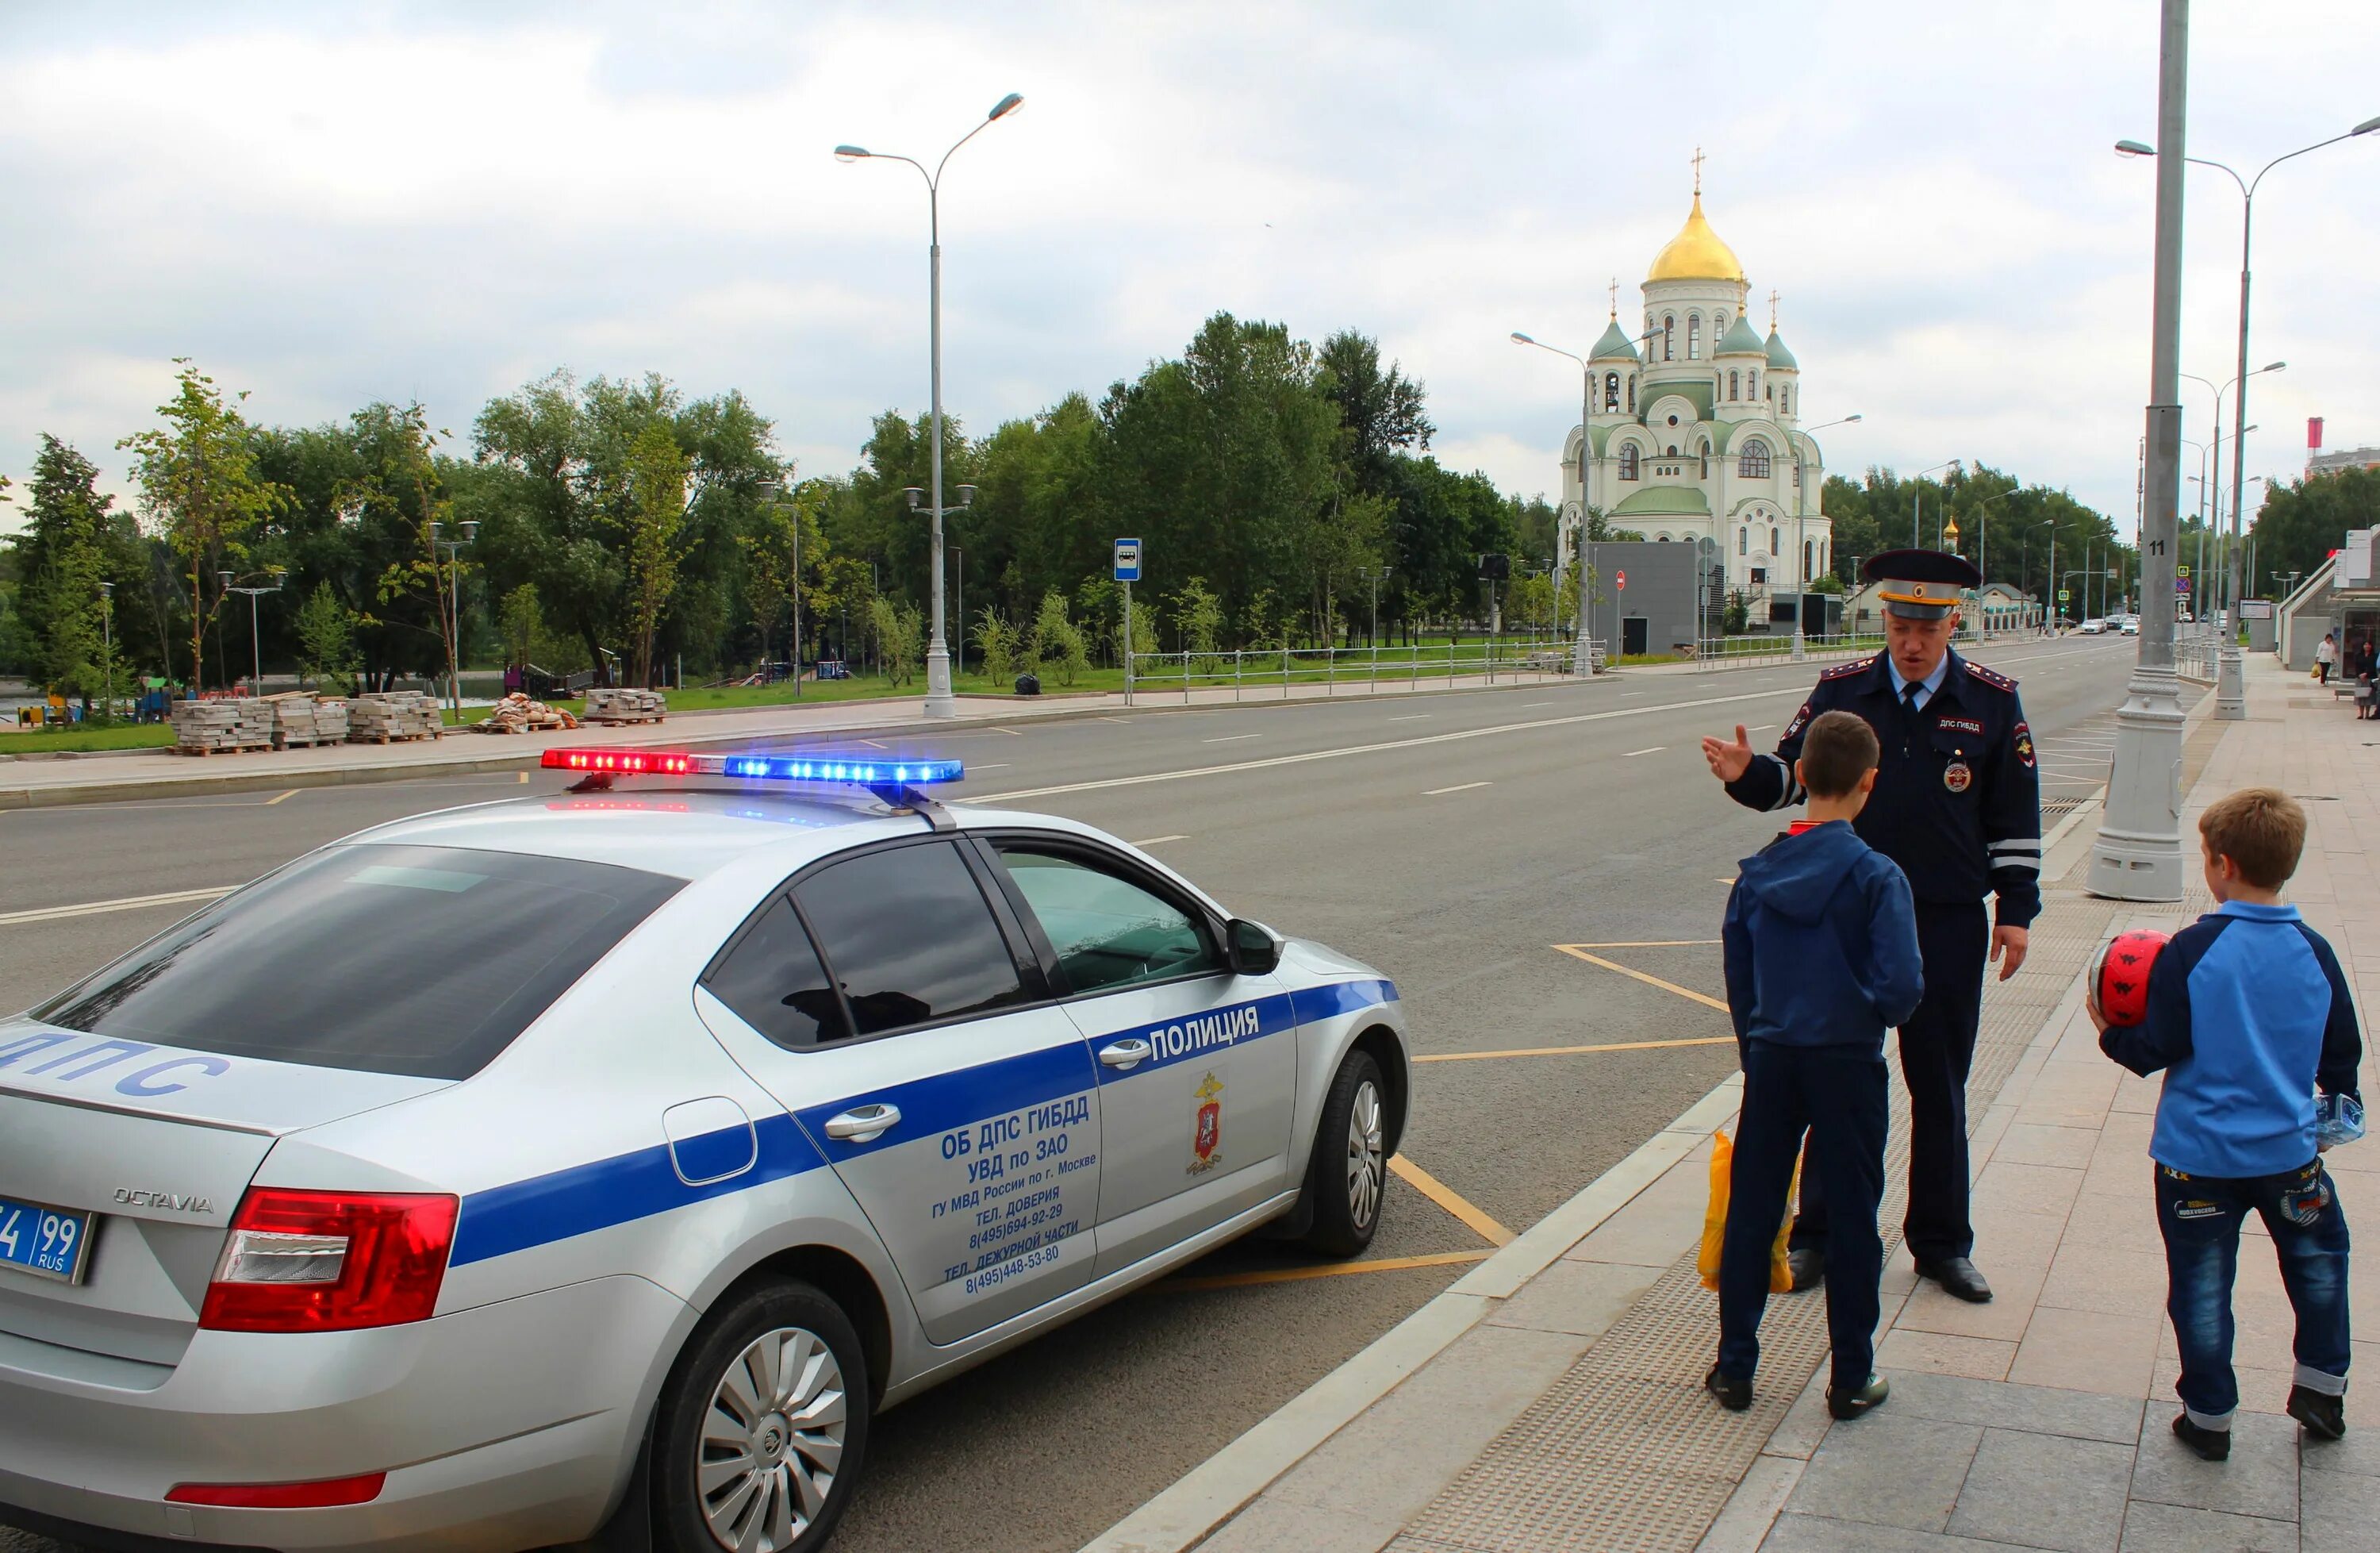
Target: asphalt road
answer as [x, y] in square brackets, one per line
[1453, 840]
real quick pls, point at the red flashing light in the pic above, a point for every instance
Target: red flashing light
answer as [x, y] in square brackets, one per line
[329, 1261]
[282, 1496]
[626, 762]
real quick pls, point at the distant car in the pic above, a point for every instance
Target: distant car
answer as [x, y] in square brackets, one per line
[2092, 628]
[604, 1162]
[2132, 625]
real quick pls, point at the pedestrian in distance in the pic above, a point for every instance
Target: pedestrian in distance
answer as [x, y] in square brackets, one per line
[2326, 655]
[2249, 1017]
[1958, 806]
[1821, 951]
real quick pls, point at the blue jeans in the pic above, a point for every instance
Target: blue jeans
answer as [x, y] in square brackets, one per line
[2201, 1217]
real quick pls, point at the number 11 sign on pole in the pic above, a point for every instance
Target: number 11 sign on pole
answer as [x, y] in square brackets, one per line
[1127, 571]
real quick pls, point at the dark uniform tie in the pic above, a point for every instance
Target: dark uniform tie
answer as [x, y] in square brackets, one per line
[1910, 693]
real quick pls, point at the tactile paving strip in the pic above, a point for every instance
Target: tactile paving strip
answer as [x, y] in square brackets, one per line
[1624, 1454]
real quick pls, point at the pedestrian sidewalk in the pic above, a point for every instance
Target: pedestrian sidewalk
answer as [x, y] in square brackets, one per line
[1552, 1399]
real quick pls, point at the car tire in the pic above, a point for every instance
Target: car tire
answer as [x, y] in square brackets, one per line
[1347, 1179]
[775, 1379]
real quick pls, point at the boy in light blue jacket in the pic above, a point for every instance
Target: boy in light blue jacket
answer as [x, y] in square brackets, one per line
[2248, 1016]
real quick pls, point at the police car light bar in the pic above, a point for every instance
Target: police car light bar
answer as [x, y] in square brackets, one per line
[832, 769]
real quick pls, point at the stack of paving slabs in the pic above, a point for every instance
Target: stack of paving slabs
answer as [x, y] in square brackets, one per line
[202, 728]
[626, 706]
[518, 714]
[376, 719]
[300, 720]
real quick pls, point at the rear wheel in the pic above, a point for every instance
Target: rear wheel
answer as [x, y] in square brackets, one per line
[1348, 1176]
[763, 1426]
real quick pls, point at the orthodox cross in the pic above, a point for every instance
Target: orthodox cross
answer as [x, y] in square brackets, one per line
[1615, 296]
[1772, 312]
[1698, 171]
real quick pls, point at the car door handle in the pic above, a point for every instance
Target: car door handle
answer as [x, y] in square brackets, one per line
[862, 1123]
[1125, 1054]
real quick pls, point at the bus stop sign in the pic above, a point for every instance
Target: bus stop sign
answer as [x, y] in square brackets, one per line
[1127, 560]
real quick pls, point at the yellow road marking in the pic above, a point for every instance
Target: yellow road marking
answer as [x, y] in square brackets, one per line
[271, 801]
[1688, 993]
[524, 777]
[1446, 1197]
[1648, 944]
[1328, 1269]
[1567, 1051]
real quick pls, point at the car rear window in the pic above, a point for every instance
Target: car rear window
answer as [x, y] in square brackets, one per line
[420, 961]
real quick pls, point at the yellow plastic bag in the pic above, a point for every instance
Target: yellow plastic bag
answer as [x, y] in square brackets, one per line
[1780, 1276]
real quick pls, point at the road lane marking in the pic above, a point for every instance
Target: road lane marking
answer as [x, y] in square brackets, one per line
[293, 793]
[1655, 943]
[1572, 1051]
[873, 745]
[1230, 737]
[128, 903]
[1446, 1197]
[1688, 993]
[1648, 750]
[1460, 787]
[1528, 705]
[1410, 718]
[1115, 719]
[994, 766]
[1011, 732]
[1327, 1269]
[524, 777]
[1763, 727]
[1156, 840]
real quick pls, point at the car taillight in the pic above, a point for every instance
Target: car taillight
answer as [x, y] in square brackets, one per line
[282, 1496]
[328, 1260]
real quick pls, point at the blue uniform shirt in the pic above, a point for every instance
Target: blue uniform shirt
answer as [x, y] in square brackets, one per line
[1958, 797]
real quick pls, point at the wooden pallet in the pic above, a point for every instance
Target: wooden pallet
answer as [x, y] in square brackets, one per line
[622, 719]
[386, 737]
[282, 742]
[215, 749]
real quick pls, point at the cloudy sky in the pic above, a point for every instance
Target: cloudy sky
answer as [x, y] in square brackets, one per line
[330, 204]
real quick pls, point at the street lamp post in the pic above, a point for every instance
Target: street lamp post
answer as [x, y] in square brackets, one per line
[2230, 693]
[940, 703]
[775, 489]
[256, 672]
[1916, 498]
[108, 642]
[454, 606]
[1587, 657]
[1801, 555]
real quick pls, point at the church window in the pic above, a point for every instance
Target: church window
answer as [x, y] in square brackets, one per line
[1743, 541]
[1627, 460]
[1797, 475]
[1718, 324]
[1776, 542]
[1753, 462]
[1610, 391]
[1752, 384]
[1660, 539]
[1785, 400]
[1668, 336]
[1694, 336]
[1702, 451]
[1809, 558]
[1673, 446]
[1732, 384]
[1631, 393]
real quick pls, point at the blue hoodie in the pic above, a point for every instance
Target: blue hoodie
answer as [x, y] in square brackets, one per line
[1821, 943]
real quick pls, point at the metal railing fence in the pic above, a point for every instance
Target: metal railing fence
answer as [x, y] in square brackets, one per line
[1279, 671]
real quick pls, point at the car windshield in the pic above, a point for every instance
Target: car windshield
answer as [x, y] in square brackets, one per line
[420, 960]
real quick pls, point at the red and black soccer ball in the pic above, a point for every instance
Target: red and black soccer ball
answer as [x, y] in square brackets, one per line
[2120, 982]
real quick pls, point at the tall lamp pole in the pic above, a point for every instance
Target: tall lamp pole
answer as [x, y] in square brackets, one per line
[1801, 505]
[107, 641]
[1587, 657]
[256, 680]
[939, 700]
[452, 547]
[2230, 691]
[1917, 496]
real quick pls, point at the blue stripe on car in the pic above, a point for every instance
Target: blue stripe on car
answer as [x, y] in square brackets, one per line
[604, 1193]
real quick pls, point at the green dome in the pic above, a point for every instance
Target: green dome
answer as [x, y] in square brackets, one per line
[1664, 500]
[1740, 339]
[1781, 359]
[1614, 345]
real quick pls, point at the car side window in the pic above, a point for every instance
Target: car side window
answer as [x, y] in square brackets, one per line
[1108, 931]
[910, 938]
[772, 979]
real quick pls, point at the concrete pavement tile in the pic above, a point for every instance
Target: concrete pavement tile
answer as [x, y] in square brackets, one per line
[2260, 1390]
[2013, 1295]
[1271, 1525]
[2342, 1509]
[1583, 1298]
[2359, 1453]
[2040, 1410]
[1657, 1225]
[1946, 1353]
[2097, 1277]
[1804, 1427]
[2119, 1223]
[2136, 1095]
[2027, 1142]
[2088, 1351]
[2041, 1189]
[1889, 1472]
[2260, 1479]
[2070, 1094]
[2156, 1528]
[1815, 1534]
[1752, 1510]
[2045, 1491]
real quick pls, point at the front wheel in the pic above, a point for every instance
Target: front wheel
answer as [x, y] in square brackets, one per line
[1348, 1176]
[762, 1426]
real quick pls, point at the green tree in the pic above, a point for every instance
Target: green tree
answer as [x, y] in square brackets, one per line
[521, 622]
[402, 491]
[326, 635]
[657, 516]
[1058, 643]
[900, 632]
[1198, 616]
[72, 543]
[200, 490]
[995, 640]
[2301, 523]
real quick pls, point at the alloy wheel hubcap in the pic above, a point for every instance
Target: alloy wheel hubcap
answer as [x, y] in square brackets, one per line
[1364, 1155]
[771, 1442]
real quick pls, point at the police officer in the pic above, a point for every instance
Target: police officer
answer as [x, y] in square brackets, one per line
[1957, 805]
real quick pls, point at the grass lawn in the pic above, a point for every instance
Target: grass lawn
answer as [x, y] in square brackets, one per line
[81, 736]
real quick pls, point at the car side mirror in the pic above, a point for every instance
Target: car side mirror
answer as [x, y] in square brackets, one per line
[1255, 949]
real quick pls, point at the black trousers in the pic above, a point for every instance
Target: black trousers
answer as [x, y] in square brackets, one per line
[1838, 1095]
[1938, 1046]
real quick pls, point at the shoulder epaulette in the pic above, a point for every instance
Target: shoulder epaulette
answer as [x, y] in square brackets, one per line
[1991, 677]
[1844, 671]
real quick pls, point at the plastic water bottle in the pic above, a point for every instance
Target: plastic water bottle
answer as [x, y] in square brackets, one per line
[2337, 1119]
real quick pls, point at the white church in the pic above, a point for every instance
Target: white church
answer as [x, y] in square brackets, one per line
[1693, 433]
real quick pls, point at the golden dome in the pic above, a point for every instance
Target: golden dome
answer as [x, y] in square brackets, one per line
[1695, 253]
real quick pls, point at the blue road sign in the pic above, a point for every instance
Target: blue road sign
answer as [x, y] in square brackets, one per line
[1127, 560]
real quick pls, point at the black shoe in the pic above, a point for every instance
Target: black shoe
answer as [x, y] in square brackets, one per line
[2208, 1445]
[1733, 1395]
[2324, 1417]
[1958, 1277]
[1809, 1267]
[1851, 1405]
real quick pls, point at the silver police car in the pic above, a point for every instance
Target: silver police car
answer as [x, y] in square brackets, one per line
[595, 1167]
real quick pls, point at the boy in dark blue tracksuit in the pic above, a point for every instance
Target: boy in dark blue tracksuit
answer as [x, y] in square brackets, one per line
[2248, 1016]
[1822, 955]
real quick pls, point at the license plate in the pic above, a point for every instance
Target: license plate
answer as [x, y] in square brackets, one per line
[45, 1242]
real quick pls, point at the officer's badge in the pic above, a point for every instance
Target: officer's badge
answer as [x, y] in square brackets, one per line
[1800, 720]
[1206, 1125]
[2024, 745]
[1959, 776]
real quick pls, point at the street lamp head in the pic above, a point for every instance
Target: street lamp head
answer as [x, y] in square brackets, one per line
[2276, 366]
[1006, 105]
[966, 496]
[849, 153]
[2135, 148]
[470, 530]
[107, 590]
[223, 580]
[916, 494]
[1520, 338]
[1849, 418]
[2366, 127]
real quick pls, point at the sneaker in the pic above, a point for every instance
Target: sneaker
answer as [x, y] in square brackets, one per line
[1733, 1395]
[2207, 1445]
[1865, 1399]
[2324, 1417]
